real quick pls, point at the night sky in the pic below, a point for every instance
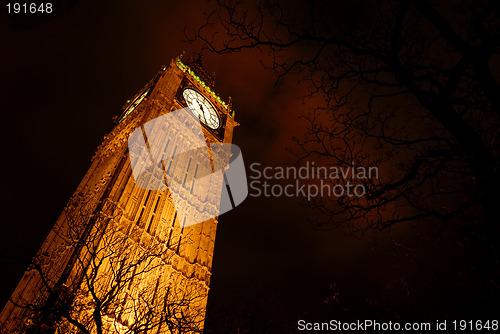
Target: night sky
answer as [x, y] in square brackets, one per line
[62, 80]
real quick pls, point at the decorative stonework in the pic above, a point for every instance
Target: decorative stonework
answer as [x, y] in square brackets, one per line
[208, 88]
[108, 216]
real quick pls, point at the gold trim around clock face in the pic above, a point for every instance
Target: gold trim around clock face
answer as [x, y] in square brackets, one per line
[134, 104]
[201, 108]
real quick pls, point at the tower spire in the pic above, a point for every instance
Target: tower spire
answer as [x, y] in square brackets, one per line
[196, 64]
[124, 243]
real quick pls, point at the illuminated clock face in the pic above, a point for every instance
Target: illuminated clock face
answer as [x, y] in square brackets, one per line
[201, 108]
[134, 104]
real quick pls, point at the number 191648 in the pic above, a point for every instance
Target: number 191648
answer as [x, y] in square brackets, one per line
[475, 325]
[29, 8]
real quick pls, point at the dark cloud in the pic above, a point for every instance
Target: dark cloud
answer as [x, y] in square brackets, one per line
[63, 80]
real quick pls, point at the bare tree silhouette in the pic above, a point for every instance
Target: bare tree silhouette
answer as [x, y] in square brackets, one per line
[119, 281]
[408, 86]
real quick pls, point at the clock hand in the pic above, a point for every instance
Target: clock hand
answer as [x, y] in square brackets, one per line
[201, 107]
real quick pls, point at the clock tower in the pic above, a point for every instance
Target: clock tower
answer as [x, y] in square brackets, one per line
[118, 260]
